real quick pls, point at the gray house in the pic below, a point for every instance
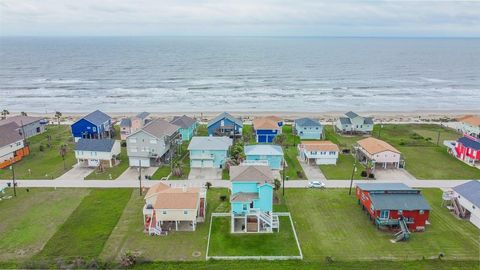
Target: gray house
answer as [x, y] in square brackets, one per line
[154, 144]
[354, 123]
[27, 125]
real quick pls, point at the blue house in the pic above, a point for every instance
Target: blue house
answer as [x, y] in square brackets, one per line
[252, 199]
[187, 126]
[225, 125]
[266, 128]
[307, 128]
[96, 125]
[209, 152]
[267, 154]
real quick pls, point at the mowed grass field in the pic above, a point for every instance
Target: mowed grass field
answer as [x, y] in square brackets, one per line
[294, 170]
[46, 164]
[343, 169]
[331, 223]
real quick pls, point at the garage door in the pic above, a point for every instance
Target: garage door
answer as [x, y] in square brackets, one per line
[270, 139]
[262, 138]
[135, 162]
[196, 163]
[208, 164]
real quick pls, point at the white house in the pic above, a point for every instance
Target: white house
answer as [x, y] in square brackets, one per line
[97, 152]
[378, 152]
[468, 196]
[354, 123]
[318, 152]
[12, 147]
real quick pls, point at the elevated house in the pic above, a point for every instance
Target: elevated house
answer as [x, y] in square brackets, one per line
[95, 125]
[154, 144]
[28, 126]
[394, 205]
[354, 123]
[187, 126]
[12, 145]
[225, 125]
[318, 152]
[173, 209]
[271, 155]
[97, 152]
[466, 149]
[378, 153]
[209, 152]
[466, 201]
[252, 199]
[133, 124]
[308, 128]
[470, 125]
[266, 128]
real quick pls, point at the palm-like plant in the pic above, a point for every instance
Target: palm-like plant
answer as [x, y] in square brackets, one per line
[23, 114]
[5, 113]
[58, 115]
[177, 169]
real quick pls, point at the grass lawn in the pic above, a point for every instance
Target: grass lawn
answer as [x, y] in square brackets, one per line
[46, 164]
[114, 172]
[202, 130]
[87, 229]
[248, 134]
[128, 235]
[343, 142]
[162, 172]
[224, 243]
[334, 225]
[343, 169]
[225, 174]
[294, 170]
[31, 218]
[423, 158]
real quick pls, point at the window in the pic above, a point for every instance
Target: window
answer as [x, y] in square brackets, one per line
[153, 141]
[164, 212]
[244, 207]
[133, 150]
[132, 140]
[400, 212]
[372, 208]
[94, 129]
[421, 212]
[185, 212]
[384, 214]
[363, 197]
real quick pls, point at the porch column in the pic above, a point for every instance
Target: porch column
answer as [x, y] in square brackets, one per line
[176, 225]
[245, 230]
[194, 224]
[110, 161]
[232, 225]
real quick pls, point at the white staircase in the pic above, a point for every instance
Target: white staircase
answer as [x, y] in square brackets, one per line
[270, 221]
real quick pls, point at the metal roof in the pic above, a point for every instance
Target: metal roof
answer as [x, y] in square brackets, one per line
[21, 120]
[97, 117]
[470, 191]
[183, 121]
[399, 201]
[264, 150]
[244, 197]
[470, 143]
[368, 120]
[227, 116]
[99, 145]
[345, 121]
[307, 122]
[9, 134]
[383, 186]
[143, 115]
[126, 122]
[351, 114]
[210, 143]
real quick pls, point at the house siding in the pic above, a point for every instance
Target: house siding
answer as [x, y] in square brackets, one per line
[274, 161]
[85, 129]
[219, 157]
[223, 122]
[309, 132]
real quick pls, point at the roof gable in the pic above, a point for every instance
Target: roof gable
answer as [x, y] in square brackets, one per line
[251, 173]
[470, 191]
[225, 115]
[351, 115]
[470, 142]
[126, 122]
[319, 146]
[97, 117]
[399, 201]
[166, 197]
[21, 120]
[9, 134]
[269, 122]
[210, 143]
[374, 146]
[471, 120]
[309, 122]
[98, 145]
[159, 128]
[183, 121]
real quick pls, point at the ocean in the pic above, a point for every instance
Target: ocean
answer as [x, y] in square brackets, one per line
[200, 74]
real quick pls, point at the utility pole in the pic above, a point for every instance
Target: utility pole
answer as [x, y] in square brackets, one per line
[438, 137]
[13, 180]
[140, 175]
[283, 179]
[351, 178]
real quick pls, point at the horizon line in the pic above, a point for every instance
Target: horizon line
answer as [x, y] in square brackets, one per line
[238, 36]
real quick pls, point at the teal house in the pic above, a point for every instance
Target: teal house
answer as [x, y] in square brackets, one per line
[209, 152]
[187, 126]
[252, 199]
[265, 154]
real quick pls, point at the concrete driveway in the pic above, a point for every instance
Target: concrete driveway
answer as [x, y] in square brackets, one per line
[76, 173]
[393, 174]
[312, 172]
[205, 174]
[132, 173]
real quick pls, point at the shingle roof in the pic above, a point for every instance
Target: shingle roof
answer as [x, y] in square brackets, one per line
[368, 120]
[244, 197]
[160, 128]
[307, 122]
[374, 146]
[143, 115]
[268, 122]
[470, 191]
[263, 149]
[126, 122]
[345, 121]
[210, 143]
[351, 114]
[20, 119]
[320, 146]
[383, 186]
[471, 120]
[183, 121]
[399, 201]
[99, 145]
[9, 134]
[227, 116]
[97, 117]
[251, 173]
[173, 198]
[469, 142]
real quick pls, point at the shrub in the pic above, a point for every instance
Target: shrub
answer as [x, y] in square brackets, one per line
[124, 144]
[371, 175]
[128, 260]
[402, 142]
[364, 174]
[41, 148]
[208, 185]
[223, 198]
[300, 174]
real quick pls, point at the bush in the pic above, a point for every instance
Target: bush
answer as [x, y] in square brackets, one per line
[364, 174]
[371, 176]
[223, 198]
[124, 144]
[41, 148]
[300, 174]
[128, 260]
[402, 142]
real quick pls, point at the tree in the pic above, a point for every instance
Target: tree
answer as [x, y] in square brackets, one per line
[23, 114]
[5, 113]
[277, 184]
[177, 169]
[237, 154]
[58, 115]
[280, 139]
[63, 152]
[208, 185]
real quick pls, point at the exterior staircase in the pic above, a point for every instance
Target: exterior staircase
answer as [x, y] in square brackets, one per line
[459, 211]
[271, 221]
[404, 233]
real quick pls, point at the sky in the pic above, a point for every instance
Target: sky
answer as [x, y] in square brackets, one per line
[239, 18]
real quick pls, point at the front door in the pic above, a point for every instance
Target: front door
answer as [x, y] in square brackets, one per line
[384, 214]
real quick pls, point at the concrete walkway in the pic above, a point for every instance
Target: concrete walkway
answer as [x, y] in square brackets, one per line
[132, 173]
[312, 172]
[77, 172]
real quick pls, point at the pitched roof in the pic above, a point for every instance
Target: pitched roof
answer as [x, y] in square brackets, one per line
[470, 191]
[126, 122]
[374, 146]
[307, 122]
[351, 114]
[160, 127]
[99, 145]
[143, 115]
[97, 117]
[20, 119]
[320, 146]
[368, 120]
[470, 142]
[173, 198]
[263, 149]
[9, 134]
[210, 143]
[345, 120]
[470, 119]
[251, 173]
[399, 201]
[183, 121]
[227, 116]
[244, 197]
[383, 186]
[268, 122]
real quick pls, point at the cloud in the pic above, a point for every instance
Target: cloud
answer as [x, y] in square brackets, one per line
[242, 17]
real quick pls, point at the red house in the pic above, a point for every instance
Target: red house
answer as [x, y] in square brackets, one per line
[467, 149]
[390, 204]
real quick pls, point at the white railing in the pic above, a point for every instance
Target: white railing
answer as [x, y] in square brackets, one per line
[254, 162]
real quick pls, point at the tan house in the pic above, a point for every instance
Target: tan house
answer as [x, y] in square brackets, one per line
[379, 153]
[173, 208]
[470, 125]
